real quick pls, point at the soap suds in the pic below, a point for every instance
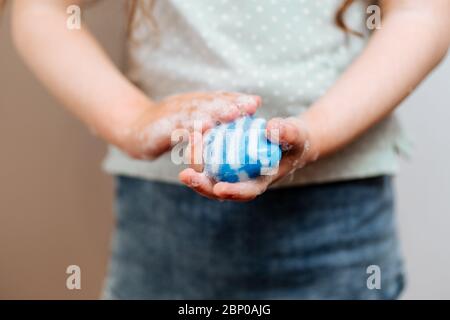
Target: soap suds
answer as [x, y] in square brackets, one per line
[154, 138]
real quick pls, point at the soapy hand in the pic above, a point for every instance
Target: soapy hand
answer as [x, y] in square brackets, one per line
[149, 136]
[293, 136]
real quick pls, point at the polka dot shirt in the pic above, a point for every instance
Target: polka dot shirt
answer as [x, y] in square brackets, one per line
[287, 51]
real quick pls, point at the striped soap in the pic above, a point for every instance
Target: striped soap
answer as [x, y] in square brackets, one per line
[239, 151]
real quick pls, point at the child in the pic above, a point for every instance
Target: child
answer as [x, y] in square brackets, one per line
[328, 221]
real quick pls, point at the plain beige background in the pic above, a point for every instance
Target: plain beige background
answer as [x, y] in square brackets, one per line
[56, 204]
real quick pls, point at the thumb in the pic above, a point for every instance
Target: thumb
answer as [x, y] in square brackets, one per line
[289, 132]
[194, 151]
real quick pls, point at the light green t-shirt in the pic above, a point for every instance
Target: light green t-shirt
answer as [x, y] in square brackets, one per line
[289, 52]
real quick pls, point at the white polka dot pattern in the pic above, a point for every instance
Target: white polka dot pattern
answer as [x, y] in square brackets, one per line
[287, 51]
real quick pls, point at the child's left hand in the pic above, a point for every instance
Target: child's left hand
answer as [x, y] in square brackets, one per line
[294, 138]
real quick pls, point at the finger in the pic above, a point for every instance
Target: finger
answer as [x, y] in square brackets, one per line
[230, 106]
[248, 104]
[194, 151]
[241, 191]
[287, 132]
[227, 112]
[198, 182]
[288, 165]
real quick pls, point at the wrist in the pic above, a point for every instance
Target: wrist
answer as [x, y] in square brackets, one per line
[312, 143]
[118, 127]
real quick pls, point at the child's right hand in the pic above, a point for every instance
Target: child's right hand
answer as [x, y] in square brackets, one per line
[78, 72]
[149, 135]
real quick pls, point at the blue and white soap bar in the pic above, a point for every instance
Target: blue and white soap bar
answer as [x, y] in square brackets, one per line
[239, 151]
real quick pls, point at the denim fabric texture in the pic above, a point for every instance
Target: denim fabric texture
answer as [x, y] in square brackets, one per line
[308, 242]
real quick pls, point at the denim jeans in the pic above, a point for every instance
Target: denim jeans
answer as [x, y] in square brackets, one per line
[307, 242]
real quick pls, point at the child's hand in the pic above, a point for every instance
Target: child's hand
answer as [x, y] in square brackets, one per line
[149, 136]
[294, 138]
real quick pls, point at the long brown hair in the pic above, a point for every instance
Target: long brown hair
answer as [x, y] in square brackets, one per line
[339, 17]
